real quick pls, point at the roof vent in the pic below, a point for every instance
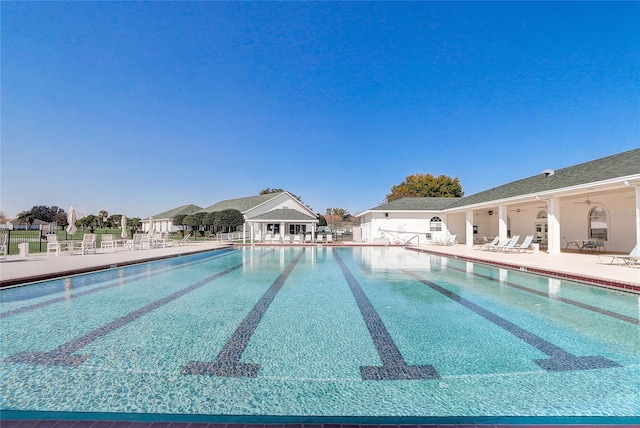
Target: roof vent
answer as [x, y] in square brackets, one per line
[548, 172]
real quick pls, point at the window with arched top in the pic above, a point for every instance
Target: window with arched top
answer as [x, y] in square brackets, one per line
[542, 214]
[598, 223]
[435, 225]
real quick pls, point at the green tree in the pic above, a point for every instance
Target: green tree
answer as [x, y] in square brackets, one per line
[212, 220]
[179, 221]
[426, 185]
[230, 219]
[26, 217]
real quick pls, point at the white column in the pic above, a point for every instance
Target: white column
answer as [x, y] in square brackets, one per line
[502, 221]
[553, 221]
[469, 229]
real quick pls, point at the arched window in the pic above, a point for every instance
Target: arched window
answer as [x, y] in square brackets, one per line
[435, 225]
[598, 223]
[542, 214]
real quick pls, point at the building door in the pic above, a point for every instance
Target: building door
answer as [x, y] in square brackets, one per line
[541, 228]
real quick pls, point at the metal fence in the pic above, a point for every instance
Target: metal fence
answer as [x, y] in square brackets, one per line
[37, 239]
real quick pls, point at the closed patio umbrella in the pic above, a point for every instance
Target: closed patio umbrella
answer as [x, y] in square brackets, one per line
[71, 219]
[123, 224]
[150, 225]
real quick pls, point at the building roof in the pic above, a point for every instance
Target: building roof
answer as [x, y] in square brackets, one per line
[416, 204]
[241, 204]
[185, 209]
[611, 167]
[616, 166]
[284, 214]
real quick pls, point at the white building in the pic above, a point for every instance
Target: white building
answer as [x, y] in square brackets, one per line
[596, 199]
[275, 213]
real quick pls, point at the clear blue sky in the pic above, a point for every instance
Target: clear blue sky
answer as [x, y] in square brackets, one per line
[140, 107]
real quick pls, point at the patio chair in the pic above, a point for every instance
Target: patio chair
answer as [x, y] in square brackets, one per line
[631, 259]
[568, 243]
[55, 246]
[297, 239]
[308, 238]
[320, 239]
[329, 238]
[184, 240]
[257, 237]
[595, 245]
[524, 246]
[276, 238]
[4, 245]
[87, 244]
[267, 238]
[107, 243]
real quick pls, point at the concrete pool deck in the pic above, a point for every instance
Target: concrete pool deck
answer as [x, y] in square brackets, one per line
[590, 268]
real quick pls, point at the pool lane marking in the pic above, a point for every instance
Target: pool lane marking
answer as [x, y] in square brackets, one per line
[560, 360]
[63, 355]
[228, 363]
[394, 367]
[119, 283]
[558, 298]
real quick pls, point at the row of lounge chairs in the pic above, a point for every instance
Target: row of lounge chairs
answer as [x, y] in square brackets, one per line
[140, 241]
[292, 239]
[510, 245]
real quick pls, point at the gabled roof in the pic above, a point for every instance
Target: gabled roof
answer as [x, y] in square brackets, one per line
[284, 214]
[241, 204]
[185, 209]
[619, 165]
[416, 204]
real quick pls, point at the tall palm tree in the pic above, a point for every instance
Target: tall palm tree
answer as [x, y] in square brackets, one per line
[27, 218]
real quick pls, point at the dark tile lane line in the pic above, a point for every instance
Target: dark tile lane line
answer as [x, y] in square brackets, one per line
[228, 363]
[560, 360]
[40, 305]
[558, 298]
[394, 367]
[63, 355]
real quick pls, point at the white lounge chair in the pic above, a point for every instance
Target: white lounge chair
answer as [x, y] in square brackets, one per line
[257, 237]
[501, 244]
[297, 239]
[632, 259]
[308, 238]
[488, 245]
[329, 238]
[267, 238]
[510, 244]
[320, 239]
[276, 238]
[524, 246]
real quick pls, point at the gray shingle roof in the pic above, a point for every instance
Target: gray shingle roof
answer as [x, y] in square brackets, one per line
[241, 204]
[416, 204]
[284, 214]
[184, 209]
[618, 165]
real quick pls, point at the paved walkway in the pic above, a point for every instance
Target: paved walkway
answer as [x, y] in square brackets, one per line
[591, 268]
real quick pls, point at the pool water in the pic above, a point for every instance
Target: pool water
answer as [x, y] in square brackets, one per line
[318, 331]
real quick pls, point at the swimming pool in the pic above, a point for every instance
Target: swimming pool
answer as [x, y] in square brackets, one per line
[320, 331]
